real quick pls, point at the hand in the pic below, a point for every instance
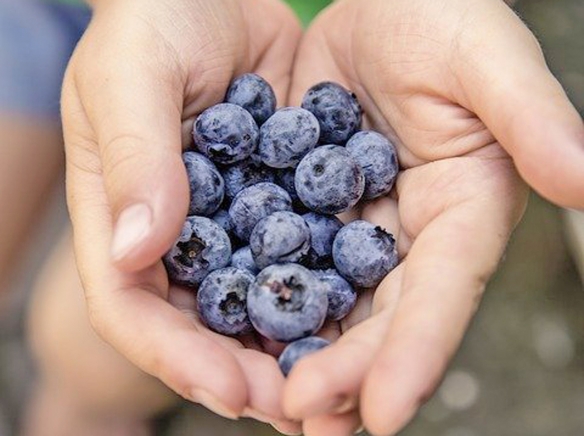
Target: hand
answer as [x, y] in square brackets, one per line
[140, 75]
[457, 85]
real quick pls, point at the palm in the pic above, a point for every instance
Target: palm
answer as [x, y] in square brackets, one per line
[458, 198]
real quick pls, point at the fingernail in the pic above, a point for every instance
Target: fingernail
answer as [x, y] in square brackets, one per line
[132, 226]
[285, 431]
[360, 429]
[258, 416]
[212, 403]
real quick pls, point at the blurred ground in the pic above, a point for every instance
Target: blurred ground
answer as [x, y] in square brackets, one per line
[520, 371]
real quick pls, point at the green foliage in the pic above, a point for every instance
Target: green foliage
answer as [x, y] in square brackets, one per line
[307, 9]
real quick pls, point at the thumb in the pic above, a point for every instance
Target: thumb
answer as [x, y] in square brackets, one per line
[508, 84]
[134, 107]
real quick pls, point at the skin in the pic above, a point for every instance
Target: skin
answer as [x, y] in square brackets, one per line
[456, 115]
[123, 142]
[455, 97]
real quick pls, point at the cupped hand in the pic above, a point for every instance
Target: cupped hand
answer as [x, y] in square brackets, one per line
[141, 73]
[459, 85]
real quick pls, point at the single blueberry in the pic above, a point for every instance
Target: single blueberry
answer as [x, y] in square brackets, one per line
[243, 259]
[254, 94]
[378, 159]
[221, 217]
[281, 237]
[329, 180]
[226, 133]
[287, 302]
[243, 174]
[323, 229]
[254, 203]
[364, 253]
[285, 178]
[205, 182]
[336, 109]
[287, 136]
[342, 297]
[203, 246]
[297, 350]
[222, 301]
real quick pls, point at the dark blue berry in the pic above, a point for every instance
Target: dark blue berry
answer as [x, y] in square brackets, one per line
[222, 301]
[287, 302]
[205, 182]
[226, 133]
[329, 180]
[254, 94]
[203, 246]
[221, 217]
[297, 350]
[285, 178]
[342, 297]
[323, 229]
[254, 203]
[243, 259]
[336, 109]
[364, 253]
[378, 159]
[287, 136]
[281, 237]
[243, 174]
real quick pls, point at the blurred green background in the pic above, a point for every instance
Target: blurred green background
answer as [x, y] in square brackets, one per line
[520, 371]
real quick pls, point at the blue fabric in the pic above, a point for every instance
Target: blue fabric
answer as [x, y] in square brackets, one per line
[36, 42]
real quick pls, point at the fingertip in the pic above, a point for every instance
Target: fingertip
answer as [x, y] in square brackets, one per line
[413, 374]
[265, 383]
[380, 417]
[313, 389]
[549, 155]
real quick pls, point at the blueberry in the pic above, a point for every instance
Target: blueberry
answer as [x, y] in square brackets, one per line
[281, 237]
[254, 94]
[285, 178]
[243, 259]
[226, 133]
[329, 180]
[298, 349]
[221, 217]
[378, 159]
[342, 297]
[364, 253]
[336, 109]
[254, 203]
[222, 301]
[323, 229]
[287, 136]
[205, 182]
[203, 246]
[287, 302]
[243, 174]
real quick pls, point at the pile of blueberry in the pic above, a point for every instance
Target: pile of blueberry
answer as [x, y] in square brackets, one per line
[261, 244]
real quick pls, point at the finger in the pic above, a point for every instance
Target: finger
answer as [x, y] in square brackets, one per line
[345, 424]
[508, 84]
[134, 105]
[130, 310]
[315, 62]
[444, 276]
[279, 36]
[263, 377]
[329, 381]
[265, 384]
